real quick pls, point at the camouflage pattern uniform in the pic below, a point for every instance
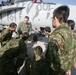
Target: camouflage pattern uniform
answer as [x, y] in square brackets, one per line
[36, 67]
[12, 56]
[24, 27]
[5, 36]
[61, 55]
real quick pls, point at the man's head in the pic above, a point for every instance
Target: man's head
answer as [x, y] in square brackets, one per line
[71, 24]
[12, 26]
[47, 30]
[38, 50]
[26, 19]
[35, 38]
[60, 16]
[25, 35]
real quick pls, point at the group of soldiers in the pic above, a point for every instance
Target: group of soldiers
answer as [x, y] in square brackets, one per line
[60, 57]
[12, 51]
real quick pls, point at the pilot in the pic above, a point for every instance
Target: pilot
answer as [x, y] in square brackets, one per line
[34, 1]
[6, 34]
[71, 24]
[24, 26]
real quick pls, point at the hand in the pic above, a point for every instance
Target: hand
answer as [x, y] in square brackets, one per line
[68, 72]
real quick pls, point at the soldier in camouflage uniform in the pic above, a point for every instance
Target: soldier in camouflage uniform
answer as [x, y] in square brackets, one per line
[12, 55]
[24, 26]
[36, 65]
[6, 34]
[61, 55]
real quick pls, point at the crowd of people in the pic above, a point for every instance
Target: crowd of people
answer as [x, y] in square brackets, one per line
[60, 54]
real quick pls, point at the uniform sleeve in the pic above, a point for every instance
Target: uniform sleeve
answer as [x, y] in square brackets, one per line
[53, 54]
[11, 45]
[54, 46]
[3, 34]
[19, 28]
[30, 27]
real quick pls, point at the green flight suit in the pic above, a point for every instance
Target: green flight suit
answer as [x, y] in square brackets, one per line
[24, 27]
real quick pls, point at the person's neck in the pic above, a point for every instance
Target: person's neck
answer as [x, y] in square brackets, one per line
[37, 57]
[25, 23]
[49, 33]
[60, 24]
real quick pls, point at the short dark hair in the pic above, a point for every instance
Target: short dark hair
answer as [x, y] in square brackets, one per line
[38, 50]
[61, 13]
[12, 25]
[71, 23]
[27, 17]
[35, 38]
[25, 35]
[48, 29]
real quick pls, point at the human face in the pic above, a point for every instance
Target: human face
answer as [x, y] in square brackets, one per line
[13, 29]
[53, 22]
[34, 52]
[69, 27]
[26, 20]
[45, 32]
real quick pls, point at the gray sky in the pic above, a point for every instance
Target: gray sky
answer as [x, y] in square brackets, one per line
[72, 2]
